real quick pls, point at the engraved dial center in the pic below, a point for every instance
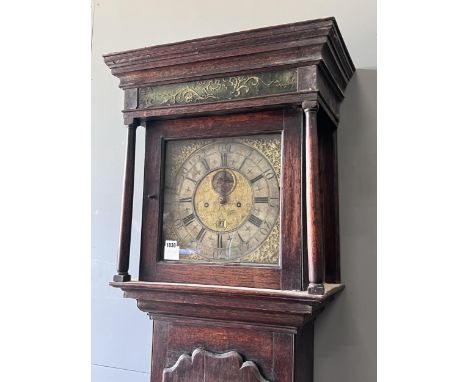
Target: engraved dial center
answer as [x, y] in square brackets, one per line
[223, 200]
[223, 183]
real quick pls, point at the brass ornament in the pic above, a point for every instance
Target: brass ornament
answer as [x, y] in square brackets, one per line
[268, 252]
[180, 151]
[270, 148]
[223, 217]
[219, 89]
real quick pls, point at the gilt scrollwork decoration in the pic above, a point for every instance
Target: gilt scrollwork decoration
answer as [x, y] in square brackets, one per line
[219, 89]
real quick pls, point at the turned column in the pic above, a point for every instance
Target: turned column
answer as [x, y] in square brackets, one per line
[313, 208]
[123, 257]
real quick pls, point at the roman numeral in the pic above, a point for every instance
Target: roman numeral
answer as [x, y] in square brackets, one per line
[243, 242]
[225, 148]
[185, 200]
[240, 167]
[255, 220]
[261, 199]
[224, 161]
[220, 241]
[201, 234]
[245, 159]
[205, 164]
[269, 174]
[252, 181]
[192, 180]
[188, 219]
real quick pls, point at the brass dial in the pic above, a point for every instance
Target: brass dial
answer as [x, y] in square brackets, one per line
[222, 202]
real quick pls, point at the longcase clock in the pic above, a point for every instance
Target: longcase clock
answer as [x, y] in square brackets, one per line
[239, 240]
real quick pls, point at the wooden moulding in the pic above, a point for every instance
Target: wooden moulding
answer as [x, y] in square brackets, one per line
[310, 41]
[203, 365]
[286, 276]
[264, 307]
[313, 49]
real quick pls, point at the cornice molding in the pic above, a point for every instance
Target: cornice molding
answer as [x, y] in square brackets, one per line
[314, 48]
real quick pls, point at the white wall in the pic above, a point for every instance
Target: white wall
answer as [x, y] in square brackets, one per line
[346, 331]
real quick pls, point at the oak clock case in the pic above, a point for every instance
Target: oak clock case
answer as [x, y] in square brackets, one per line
[240, 247]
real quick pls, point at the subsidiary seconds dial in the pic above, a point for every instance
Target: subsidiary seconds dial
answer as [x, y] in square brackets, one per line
[223, 202]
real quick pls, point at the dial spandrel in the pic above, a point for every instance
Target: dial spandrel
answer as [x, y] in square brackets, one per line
[221, 199]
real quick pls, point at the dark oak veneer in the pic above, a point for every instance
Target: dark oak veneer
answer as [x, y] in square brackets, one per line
[238, 322]
[203, 365]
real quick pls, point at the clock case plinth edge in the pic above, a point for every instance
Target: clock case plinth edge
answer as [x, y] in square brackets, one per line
[263, 307]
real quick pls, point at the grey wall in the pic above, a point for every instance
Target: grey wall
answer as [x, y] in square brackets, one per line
[346, 331]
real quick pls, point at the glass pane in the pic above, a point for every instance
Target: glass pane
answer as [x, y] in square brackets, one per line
[222, 200]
